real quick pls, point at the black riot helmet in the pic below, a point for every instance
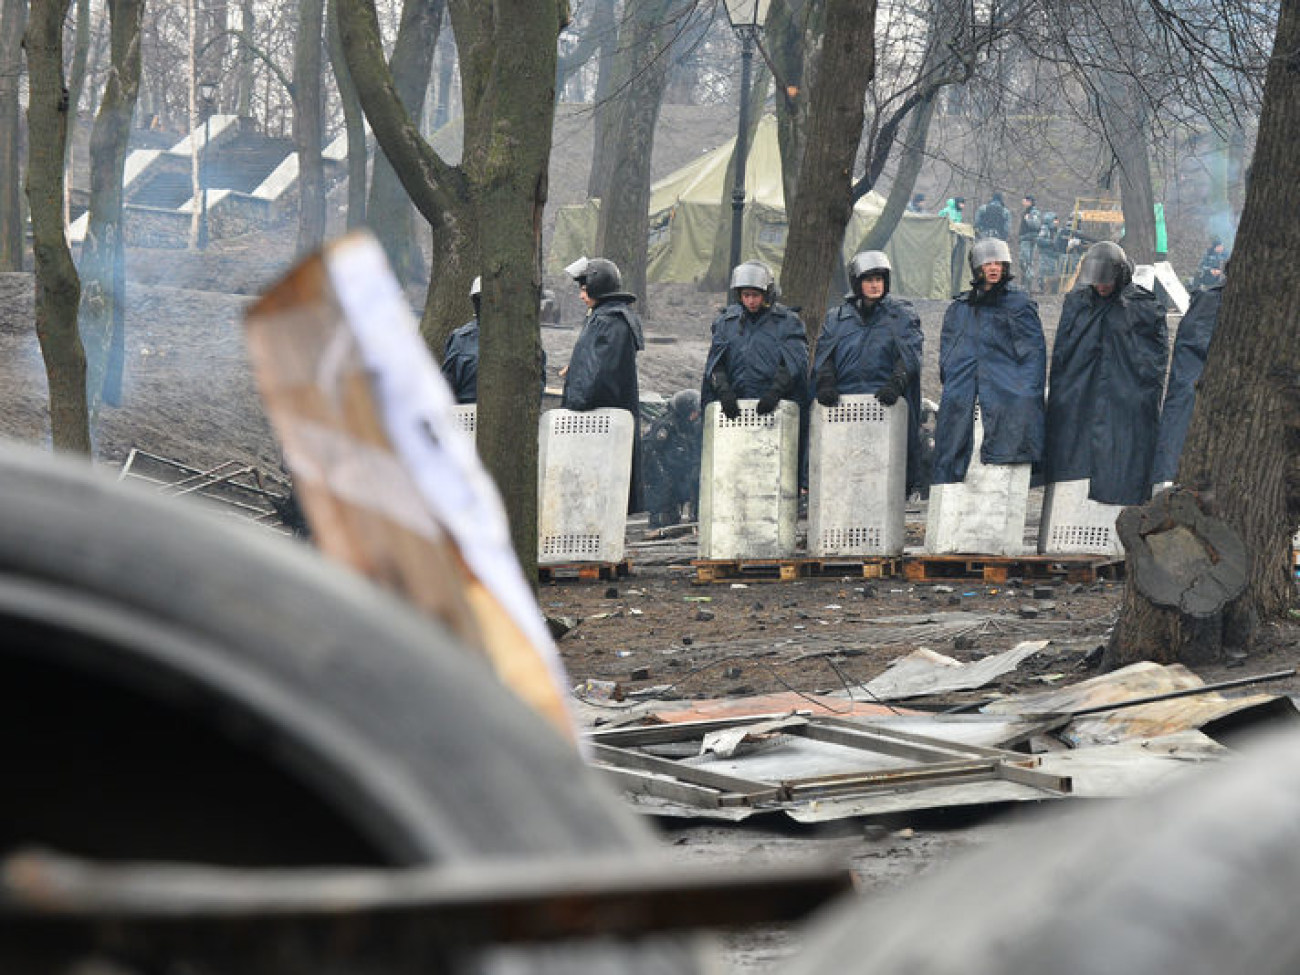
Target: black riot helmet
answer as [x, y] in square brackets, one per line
[686, 404]
[1106, 263]
[756, 275]
[868, 262]
[989, 249]
[600, 277]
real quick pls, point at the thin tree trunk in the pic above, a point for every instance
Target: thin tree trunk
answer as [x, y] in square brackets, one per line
[308, 124]
[1243, 447]
[247, 35]
[58, 289]
[390, 211]
[819, 213]
[604, 26]
[13, 222]
[641, 76]
[354, 122]
[1123, 117]
[793, 36]
[103, 254]
[909, 167]
[76, 82]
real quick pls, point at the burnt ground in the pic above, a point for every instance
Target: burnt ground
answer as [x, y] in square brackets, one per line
[656, 634]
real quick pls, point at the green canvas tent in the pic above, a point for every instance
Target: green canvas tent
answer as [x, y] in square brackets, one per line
[928, 251]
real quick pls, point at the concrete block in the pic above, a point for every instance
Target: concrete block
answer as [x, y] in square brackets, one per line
[982, 515]
[584, 471]
[749, 483]
[1074, 524]
[857, 477]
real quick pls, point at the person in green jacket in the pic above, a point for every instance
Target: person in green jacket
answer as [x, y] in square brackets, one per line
[952, 208]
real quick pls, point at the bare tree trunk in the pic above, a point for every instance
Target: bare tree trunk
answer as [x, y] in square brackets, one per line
[390, 211]
[103, 254]
[823, 200]
[308, 124]
[794, 30]
[13, 222]
[509, 115]
[604, 26]
[1124, 119]
[76, 82]
[58, 289]
[354, 122]
[1243, 447]
[909, 167]
[244, 83]
[640, 77]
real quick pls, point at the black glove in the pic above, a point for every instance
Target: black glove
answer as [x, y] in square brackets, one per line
[730, 404]
[726, 394]
[895, 387]
[827, 394]
[768, 402]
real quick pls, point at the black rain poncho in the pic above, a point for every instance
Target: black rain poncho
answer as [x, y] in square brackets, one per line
[460, 362]
[751, 350]
[991, 350]
[1103, 409]
[861, 355]
[1191, 346]
[602, 371]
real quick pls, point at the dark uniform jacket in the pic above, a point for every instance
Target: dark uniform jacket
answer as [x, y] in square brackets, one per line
[1190, 350]
[991, 350]
[602, 371]
[861, 353]
[751, 349]
[460, 362]
[1103, 411]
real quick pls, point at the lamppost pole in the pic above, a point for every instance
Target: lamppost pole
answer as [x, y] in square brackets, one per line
[746, 33]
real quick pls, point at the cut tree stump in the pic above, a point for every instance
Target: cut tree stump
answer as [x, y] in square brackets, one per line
[1185, 567]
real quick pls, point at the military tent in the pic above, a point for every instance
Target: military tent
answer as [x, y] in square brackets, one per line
[928, 251]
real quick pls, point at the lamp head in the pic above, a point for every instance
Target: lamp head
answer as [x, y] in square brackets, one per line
[747, 13]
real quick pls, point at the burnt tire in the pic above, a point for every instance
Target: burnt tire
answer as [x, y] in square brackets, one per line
[1201, 879]
[178, 685]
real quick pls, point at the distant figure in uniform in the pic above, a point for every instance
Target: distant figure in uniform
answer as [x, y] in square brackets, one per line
[918, 203]
[1049, 257]
[460, 354]
[1031, 222]
[991, 352]
[672, 461]
[1108, 371]
[993, 219]
[1191, 347]
[1211, 270]
[872, 344]
[759, 348]
[602, 369]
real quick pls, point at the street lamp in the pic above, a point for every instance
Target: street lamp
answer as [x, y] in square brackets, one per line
[207, 101]
[747, 18]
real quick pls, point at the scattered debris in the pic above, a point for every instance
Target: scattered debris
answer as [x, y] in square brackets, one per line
[925, 672]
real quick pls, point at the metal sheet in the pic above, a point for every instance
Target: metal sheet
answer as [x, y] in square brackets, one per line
[1142, 721]
[925, 672]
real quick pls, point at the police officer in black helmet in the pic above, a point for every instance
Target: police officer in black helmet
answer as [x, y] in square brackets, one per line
[1108, 371]
[602, 369]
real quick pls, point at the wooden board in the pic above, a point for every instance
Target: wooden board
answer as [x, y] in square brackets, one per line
[787, 569]
[584, 571]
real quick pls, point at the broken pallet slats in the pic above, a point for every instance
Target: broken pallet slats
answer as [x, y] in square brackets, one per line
[584, 571]
[794, 567]
[1000, 568]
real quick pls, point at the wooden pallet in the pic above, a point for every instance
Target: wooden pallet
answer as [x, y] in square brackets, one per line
[784, 570]
[1000, 568]
[584, 571]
